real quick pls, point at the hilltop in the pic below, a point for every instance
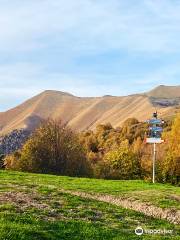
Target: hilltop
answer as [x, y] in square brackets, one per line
[83, 113]
[162, 91]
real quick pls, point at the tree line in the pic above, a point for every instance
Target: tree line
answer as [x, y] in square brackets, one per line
[106, 152]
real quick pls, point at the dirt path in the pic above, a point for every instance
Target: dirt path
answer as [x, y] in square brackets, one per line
[170, 215]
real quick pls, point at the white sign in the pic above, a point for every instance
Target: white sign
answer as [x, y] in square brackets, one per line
[154, 140]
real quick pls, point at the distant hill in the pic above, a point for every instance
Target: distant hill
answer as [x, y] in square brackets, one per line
[163, 91]
[83, 113]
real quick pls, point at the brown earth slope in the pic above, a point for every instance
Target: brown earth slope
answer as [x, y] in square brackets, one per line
[165, 92]
[86, 112]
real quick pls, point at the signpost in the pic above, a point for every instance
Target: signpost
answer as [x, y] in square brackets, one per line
[154, 137]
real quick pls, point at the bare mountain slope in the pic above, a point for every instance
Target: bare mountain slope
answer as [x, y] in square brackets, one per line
[165, 92]
[86, 113]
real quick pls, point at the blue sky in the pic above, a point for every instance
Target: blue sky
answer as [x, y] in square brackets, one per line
[87, 47]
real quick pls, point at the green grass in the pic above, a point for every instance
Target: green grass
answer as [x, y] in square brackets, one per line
[32, 207]
[157, 194]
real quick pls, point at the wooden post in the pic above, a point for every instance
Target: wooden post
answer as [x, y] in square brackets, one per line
[154, 162]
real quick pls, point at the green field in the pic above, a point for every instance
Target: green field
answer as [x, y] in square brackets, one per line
[33, 206]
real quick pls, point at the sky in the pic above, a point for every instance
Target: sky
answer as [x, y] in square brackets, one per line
[87, 47]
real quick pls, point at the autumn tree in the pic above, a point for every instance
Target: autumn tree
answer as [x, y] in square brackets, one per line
[122, 163]
[11, 161]
[53, 148]
[171, 163]
[132, 129]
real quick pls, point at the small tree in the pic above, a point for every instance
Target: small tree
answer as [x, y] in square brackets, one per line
[122, 163]
[53, 148]
[11, 161]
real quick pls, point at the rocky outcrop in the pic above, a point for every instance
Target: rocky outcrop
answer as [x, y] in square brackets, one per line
[13, 141]
[165, 102]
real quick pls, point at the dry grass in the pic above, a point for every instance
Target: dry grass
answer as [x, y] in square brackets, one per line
[82, 113]
[23, 200]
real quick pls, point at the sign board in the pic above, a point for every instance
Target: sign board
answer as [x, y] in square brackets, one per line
[154, 137]
[154, 140]
[155, 121]
[156, 129]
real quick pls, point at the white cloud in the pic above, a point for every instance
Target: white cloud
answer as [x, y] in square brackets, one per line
[76, 28]
[86, 24]
[164, 74]
[19, 79]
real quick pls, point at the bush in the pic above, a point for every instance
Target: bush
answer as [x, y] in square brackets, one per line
[53, 148]
[122, 163]
[11, 161]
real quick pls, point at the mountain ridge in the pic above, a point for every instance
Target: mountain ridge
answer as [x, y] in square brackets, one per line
[163, 91]
[83, 113]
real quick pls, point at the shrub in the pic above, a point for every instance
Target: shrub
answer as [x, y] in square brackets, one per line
[11, 161]
[122, 163]
[53, 148]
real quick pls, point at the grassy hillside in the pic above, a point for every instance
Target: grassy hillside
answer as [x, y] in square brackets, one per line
[83, 113]
[44, 207]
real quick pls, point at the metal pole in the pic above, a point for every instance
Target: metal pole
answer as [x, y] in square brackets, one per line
[154, 160]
